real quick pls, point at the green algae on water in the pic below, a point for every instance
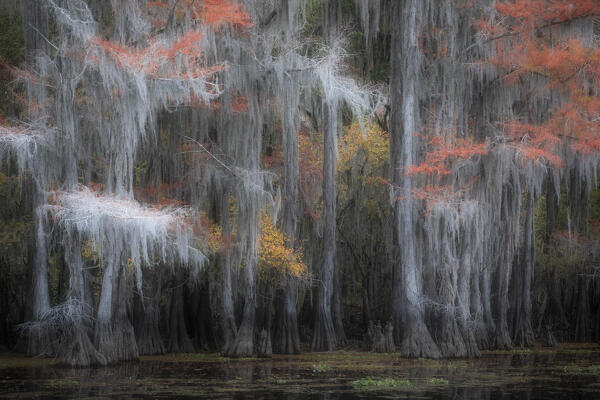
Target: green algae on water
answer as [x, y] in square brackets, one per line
[385, 383]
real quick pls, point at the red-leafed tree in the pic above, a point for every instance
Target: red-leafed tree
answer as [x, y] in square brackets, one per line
[182, 59]
[443, 154]
[139, 65]
[547, 118]
[214, 13]
[529, 44]
[546, 51]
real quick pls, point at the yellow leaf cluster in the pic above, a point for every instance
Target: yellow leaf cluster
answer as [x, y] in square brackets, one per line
[214, 238]
[273, 254]
[370, 145]
[89, 251]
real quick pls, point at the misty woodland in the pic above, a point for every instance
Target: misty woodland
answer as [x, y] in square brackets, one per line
[258, 177]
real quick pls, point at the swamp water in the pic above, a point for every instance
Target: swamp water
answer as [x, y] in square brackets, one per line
[568, 372]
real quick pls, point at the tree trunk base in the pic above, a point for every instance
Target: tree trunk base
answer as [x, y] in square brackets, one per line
[524, 337]
[548, 338]
[502, 340]
[451, 343]
[229, 334]
[286, 339]
[264, 345]
[417, 342]
[116, 341]
[482, 338]
[150, 342]
[243, 345]
[78, 351]
[378, 341]
[180, 342]
[469, 340]
[41, 343]
[324, 338]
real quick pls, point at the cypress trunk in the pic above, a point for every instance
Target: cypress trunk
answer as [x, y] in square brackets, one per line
[324, 334]
[408, 313]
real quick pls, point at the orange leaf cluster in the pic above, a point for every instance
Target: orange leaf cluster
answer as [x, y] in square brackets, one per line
[569, 67]
[535, 143]
[213, 13]
[96, 187]
[433, 44]
[446, 149]
[183, 59]
[532, 14]
[158, 4]
[563, 65]
[161, 196]
[218, 13]
[239, 104]
[272, 162]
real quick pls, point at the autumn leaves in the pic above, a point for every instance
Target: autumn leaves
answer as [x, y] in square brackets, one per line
[545, 50]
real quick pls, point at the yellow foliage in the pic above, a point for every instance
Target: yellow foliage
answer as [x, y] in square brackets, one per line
[371, 145]
[273, 254]
[209, 235]
[214, 238]
[89, 251]
[363, 166]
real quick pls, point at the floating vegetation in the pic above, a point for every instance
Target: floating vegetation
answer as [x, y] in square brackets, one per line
[579, 370]
[524, 352]
[62, 382]
[321, 368]
[437, 381]
[192, 357]
[385, 383]
[203, 375]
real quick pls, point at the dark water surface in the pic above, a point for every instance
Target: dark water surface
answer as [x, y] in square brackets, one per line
[570, 372]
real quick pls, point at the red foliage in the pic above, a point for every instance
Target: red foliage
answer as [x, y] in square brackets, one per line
[158, 4]
[314, 215]
[218, 13]
[183, 59]
[433, 44]
[239, 104]
[532, 14]
[273, 162]
[568, 65]
[213, 13]
[161, 196]
[96, 187]
[444, 150]
[535, 143]
[436, 184]
[188, 45]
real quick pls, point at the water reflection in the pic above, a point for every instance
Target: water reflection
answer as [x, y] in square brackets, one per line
[525, 376]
